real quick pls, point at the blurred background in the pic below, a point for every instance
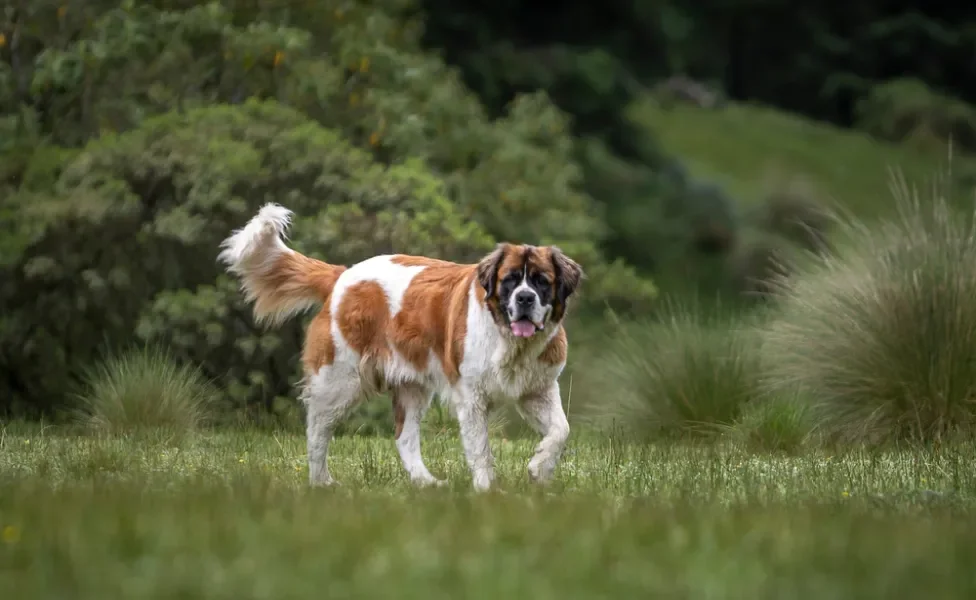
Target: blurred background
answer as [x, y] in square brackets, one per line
[681, 151]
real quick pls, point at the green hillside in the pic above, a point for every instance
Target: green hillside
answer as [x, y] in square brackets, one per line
[747, 148]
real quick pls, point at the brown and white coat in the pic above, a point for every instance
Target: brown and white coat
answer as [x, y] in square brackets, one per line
[416, 327]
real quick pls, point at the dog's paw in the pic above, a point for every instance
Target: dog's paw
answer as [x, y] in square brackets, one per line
[428, 481]
[323, 483]
[540, 474]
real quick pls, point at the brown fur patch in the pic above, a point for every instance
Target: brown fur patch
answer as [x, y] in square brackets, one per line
[399, 416]
[319, 348]
[516, 258]
[364, 318]
[434, 313]
[405, 260]
[557, 349]
[293, 277]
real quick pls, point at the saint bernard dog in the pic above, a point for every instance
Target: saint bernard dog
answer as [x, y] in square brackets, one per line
[414, 327]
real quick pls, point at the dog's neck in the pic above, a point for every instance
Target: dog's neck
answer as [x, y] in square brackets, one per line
[515, 349]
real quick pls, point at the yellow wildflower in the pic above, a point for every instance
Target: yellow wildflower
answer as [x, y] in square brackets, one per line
[278, 57]
[374, 139]
[364, 64]
[11, 535]
[26, 441]
[845, 493]
[3, 40]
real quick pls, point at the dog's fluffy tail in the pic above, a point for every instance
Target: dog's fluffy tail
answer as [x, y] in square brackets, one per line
[280, 281]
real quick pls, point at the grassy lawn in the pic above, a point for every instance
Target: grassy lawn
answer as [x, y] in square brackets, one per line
[745, 148]
[228, 515]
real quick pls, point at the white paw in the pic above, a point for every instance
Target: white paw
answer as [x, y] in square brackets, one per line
[540, 473]
[427, 481]
[482, 483]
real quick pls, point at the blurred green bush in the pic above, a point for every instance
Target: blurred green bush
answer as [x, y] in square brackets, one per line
[907, 110]
[145, 133]
[689, 373]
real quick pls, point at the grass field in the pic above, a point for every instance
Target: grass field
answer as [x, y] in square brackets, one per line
[228, 515]
[749, 149]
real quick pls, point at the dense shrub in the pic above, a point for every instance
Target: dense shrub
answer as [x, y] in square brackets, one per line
[691, 373]
[358, 69]
[140, 135]
[907, 110]
[661, 219]
[793, 210]
[146, 389]
[882, 337]
[129, 235]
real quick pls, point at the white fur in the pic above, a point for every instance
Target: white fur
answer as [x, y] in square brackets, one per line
[415, 401]
[538, 313]
[267, 228]
[495, 366]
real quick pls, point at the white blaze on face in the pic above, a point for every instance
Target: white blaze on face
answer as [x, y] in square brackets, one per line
[526, 316]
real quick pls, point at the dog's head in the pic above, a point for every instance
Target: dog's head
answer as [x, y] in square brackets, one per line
[527, 287]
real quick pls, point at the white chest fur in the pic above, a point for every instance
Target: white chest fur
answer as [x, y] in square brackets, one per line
[501, 366]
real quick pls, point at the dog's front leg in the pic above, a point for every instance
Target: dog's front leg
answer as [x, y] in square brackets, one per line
[544, 412]
[472, 413]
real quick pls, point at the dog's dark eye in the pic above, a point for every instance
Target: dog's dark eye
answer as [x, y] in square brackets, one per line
[539, 279]
[510, 281]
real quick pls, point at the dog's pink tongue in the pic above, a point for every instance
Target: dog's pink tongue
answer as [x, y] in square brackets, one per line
[523, 329]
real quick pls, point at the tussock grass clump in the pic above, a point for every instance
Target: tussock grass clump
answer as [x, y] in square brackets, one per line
[883, 336]
[143, 389]
[689, 374]
[792, 208]
[781, 424]
[759, 264]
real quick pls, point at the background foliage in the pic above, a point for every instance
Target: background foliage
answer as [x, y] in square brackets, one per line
[145, 133]
[135, 136]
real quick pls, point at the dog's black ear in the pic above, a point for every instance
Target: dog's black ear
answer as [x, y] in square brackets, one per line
[488, 268]
[568, 275]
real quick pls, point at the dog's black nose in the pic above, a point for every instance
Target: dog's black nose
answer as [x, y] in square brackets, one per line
[524, 298]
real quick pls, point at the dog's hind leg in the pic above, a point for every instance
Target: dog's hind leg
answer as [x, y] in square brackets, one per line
[328, 396]
[410, 402]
